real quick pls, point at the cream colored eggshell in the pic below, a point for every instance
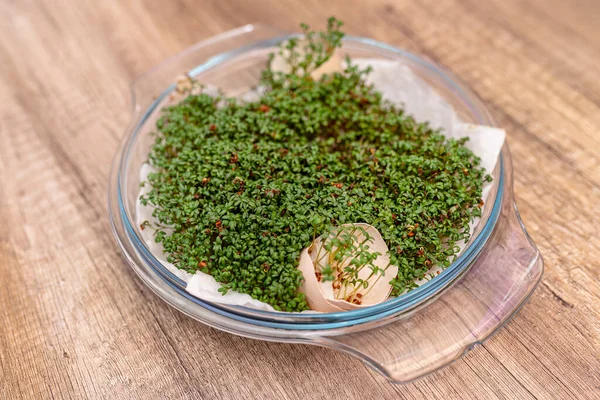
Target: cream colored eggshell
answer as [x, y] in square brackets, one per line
[311, 287]
[381, 290]
[320, 295]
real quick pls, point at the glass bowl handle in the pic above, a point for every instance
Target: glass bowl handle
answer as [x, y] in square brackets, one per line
[478, 303]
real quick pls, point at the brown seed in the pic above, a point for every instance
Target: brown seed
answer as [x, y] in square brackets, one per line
[354, 300]
[264, 108]
[202, 264]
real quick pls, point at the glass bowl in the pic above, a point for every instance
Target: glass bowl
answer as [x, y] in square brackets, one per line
[403, 338]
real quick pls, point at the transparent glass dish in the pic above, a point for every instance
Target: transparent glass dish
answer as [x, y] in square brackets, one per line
[403, 338]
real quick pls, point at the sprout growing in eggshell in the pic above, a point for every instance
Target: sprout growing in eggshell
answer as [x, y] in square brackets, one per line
[314, 54]
[281, 63]
[347, 268]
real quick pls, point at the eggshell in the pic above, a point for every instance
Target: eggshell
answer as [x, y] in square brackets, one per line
[321, 295]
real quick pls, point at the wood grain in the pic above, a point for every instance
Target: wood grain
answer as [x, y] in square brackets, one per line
[75, 322]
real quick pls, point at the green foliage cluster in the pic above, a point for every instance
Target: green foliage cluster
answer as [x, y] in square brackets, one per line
[244, 187]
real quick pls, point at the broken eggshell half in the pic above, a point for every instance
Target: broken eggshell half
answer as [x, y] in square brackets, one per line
[322, 296]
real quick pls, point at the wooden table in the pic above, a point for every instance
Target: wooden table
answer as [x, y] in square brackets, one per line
[75, 322]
